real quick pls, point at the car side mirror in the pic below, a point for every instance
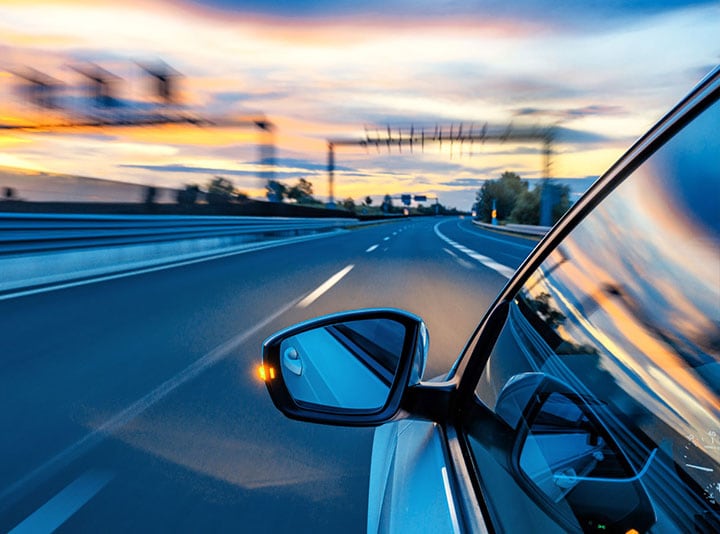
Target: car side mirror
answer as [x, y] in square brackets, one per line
[570, 460]
[350, 368]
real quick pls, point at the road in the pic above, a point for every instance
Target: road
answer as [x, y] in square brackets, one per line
[132, 404]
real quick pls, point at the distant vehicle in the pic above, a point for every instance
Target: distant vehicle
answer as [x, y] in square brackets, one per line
[588, 399]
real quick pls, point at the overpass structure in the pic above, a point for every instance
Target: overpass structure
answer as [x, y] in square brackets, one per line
[104, 109]
[417, 137]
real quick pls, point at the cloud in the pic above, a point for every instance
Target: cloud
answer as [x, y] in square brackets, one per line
[417, 163]
[297, 163]
[181, 168]
[104, 137]
[482, 80]
[422, 180]
[466, 182]
[518, 151]
[565, 14]
[291, 167]
[461, 198]
[438, 93]
[573, 113]
[223, 101]
[572, 136]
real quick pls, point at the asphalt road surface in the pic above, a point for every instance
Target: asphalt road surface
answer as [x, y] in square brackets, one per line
[133, 404]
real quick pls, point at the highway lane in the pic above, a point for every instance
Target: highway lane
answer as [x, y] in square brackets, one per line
[104, 401]
[506, 249]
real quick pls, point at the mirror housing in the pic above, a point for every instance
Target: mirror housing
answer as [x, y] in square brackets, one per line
[349, 369]
[569, 460]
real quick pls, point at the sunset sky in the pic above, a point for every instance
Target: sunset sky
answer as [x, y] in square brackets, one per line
[318, 70]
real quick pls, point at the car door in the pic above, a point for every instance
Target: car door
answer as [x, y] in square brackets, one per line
[590, 401]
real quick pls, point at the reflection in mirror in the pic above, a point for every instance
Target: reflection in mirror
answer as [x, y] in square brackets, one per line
[578, 466]
[564, 446]
[349, 365]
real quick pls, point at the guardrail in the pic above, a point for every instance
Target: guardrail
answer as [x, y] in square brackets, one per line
[23, 232]
[522, 229]
[39, 252]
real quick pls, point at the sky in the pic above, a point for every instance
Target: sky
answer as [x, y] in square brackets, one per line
[600, 73]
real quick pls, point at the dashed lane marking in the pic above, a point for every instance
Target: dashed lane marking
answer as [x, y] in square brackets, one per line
[504, 270]
[51, 515]
[325, 286]
[458, 259]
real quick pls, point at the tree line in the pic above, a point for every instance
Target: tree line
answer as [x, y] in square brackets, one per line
[220, 190]
[515, 202]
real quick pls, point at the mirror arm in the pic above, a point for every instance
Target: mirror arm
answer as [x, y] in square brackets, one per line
[432, 401]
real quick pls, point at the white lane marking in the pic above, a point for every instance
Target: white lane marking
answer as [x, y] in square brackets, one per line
[170, 265]
[370, 249]
[450, 500]
[322, 288]
[504, 270]
[62, 506]
[386, 238]
[120, 419]
[458, 259]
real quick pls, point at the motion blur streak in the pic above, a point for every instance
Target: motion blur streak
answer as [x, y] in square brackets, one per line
[135, 409]
[205, 444]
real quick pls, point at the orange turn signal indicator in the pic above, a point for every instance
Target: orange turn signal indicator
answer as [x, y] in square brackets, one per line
[265, 372]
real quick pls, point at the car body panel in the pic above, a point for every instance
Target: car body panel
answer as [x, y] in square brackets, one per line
[409, 485]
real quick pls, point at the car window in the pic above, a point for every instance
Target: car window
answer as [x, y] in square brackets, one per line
[625, 314]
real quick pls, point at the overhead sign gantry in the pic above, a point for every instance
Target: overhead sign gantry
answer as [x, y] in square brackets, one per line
[461, 133]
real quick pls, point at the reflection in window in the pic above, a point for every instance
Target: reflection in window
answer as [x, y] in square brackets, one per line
[627, 312]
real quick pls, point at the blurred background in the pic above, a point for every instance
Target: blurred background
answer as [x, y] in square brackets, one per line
[251, 92]
[133, 298]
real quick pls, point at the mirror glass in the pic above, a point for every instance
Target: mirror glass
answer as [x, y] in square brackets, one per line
[564, 446]
[346, 365]
[570, 457]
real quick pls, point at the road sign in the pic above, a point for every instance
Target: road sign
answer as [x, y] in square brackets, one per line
[406, 199]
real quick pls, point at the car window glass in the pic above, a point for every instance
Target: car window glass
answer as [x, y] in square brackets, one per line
[625, 314]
